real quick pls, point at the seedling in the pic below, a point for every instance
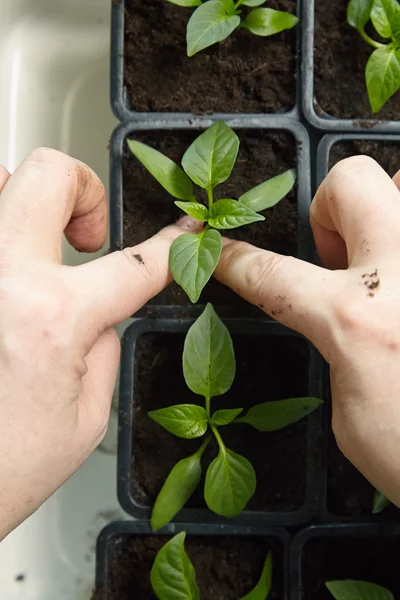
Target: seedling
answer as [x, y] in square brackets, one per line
[382, 73]
[173, 574]
[208, 162]
[215, 20]
[380, 502]
[358, 590]
[209, 370]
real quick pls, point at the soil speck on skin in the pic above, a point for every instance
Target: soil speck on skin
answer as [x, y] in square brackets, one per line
[139, 258]
[240, 74]
[20, 577]
[227, 567]
[371, 282]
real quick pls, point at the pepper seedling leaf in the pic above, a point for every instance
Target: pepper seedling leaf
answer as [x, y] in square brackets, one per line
[186, 421]
[164, 170]
[270, 192]
[382, 76]
[230, 483]
[358, 590]
[225, 416]
[186, 2]
[208, 356]
[380, 19]
[212, 22]
[210, 159]
[173, 576]
[177, 489]
[253, 3]
[272, 416]
[263, 587]
[194, 209]
[192, 260]
[267, 21]
[380, 502]
[229, 214]
[359, 12]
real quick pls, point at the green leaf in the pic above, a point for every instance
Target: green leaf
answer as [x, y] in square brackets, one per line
[380, 20]
[392, 9]
[270, 192]
[211, 158]
[382, 76]
[228, 214]
[192, 260]
[230, 483]
[208, 356]
[173, 576]
[358, 13]
[225, 416]
[263, 587]
[253, 3]
[177, 489]
[212, 22]
[380, 502]
[358, 590]
[194, 209]
[267, 21]
[186, 2]
[164, 170]
[271, 416]
[183, 420]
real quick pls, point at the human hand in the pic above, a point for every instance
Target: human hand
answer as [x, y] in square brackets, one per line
[59, 353]
[351, 313]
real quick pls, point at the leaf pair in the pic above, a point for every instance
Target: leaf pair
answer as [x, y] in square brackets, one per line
[208, 162]
[209, 370]
[215, 20]
[173, 575]
[382, 73]
[358, 590]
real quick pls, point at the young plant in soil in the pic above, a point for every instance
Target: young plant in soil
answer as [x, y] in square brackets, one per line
[358, 590]
[208, 162]
[209, 371]
[380, 502]
[215, 20]
[173, 574]
[382, 72]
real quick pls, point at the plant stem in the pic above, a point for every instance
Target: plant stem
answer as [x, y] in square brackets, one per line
[208, 406]
[369, 40]
[238, 3]
[210, 197]
[204, 444]
[218, 438]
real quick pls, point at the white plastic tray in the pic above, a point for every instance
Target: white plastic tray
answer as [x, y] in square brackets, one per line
[54, 91]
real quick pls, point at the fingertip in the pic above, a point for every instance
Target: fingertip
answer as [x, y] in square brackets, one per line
[190, 225]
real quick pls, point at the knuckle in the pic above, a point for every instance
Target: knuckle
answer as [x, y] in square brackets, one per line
[261, 269]
[43, 155]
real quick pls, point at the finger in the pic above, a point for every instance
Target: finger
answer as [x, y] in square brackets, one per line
[114, 287]
[396, 179]
[284, 287]
[4, 177]
[50, 192]
[98, 386]
[359, 202]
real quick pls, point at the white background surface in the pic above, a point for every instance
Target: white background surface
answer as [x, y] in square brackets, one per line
[54, 91]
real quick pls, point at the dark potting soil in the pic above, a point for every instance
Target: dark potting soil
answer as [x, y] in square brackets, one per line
[226, 567]
[270, 368]
[340, 56]
[148, 207]
[245, 73]
[372, 558]
[385, 153]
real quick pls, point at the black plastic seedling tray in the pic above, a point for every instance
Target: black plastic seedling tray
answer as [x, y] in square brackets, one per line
[305, 249]
[332, 562]
[112, 535]
[128, 408]
[119, 98]
[326, 122]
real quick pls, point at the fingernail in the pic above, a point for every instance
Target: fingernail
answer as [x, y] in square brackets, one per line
[189, 224]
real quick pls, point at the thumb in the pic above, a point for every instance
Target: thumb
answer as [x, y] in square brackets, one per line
[290, 290]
